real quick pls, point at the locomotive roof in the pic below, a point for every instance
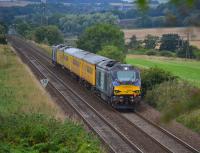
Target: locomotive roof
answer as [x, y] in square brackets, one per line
[63, 48]
[108, 64]
[79, 53]
[59, 46]
[70, 51]
[93, 58]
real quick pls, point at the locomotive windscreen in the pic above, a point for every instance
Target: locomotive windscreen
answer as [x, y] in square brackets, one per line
[125, 75]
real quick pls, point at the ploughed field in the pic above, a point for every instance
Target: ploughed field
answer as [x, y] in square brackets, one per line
[185, 69]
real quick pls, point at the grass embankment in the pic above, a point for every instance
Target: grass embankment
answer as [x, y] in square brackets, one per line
[29, 120]
[188, 70]
[176, 99]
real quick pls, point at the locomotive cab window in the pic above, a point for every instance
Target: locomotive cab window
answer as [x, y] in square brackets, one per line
[105, 82]
[124, 75]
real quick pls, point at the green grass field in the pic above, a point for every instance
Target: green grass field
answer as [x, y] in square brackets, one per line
[186, 69]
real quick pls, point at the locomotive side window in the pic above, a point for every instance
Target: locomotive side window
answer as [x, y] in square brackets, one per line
[99, 79]
[102, 81]
[89, 70]
[75, 62]
[105, 82]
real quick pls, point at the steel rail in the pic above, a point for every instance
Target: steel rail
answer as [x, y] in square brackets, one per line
[133, 146]
[168, 133]
[44, 56]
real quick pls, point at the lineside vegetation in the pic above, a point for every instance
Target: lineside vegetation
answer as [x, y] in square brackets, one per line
[174, 97]
[177, 100]
[29, 120]
[185, 69]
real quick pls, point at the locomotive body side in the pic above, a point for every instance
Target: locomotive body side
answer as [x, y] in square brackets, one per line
[118, 84]
[66, 60]
[77, 63]
[60, 56]
[69, 58]
[89, 67]
[54, 53]
[88, 73]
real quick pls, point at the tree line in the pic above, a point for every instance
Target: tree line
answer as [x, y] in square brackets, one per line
[3, 30]
[164, 15]
[60, 26]
[167, 45]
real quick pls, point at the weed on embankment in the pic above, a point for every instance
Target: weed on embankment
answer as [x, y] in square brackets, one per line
[177, 100]
[29, 120]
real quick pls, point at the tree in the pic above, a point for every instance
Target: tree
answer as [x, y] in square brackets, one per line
[23, 28]
[171, 20]
[2, 30]
[170, 42]
[95, 37]
[186, 51]
[143, 4]
[134, 43]
[2, 34]
[112, 52]
[144, 21]
[54, 35]
[50, 34]
[54, 19]
[76, 24]
[151, 41]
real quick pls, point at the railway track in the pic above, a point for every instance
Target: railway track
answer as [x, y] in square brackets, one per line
[130, 134]
[160, 134]
[113, 138]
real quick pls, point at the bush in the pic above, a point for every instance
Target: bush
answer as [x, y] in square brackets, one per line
[112, 52]
[173, 98]
[197, 54]
[154, 76]
[48, 34]
[2, 39]
[38, 133]
[2, 34]
[166, 54]
[151, 52]
[186, 48]
[139, 51]
[191, 120]
[94, 38]
[170, 42]
[151, 41]
[134, 43]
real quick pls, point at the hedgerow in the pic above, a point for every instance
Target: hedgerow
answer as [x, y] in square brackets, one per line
[153, 76]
